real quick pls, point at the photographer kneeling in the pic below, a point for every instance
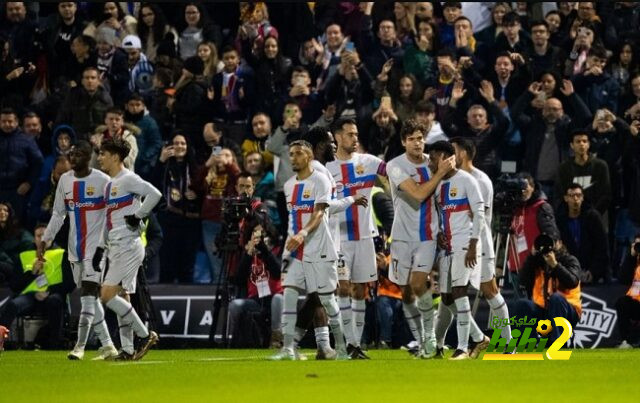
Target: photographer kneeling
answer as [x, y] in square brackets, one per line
[258, 271]
[628, 306]
[551, 277]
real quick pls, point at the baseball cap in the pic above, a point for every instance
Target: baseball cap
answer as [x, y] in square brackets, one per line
[131, 42]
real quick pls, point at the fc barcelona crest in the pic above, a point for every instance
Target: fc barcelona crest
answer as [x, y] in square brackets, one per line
[306, 194]
[359, 169]
[114, 191]
[453, 192]
[90, 190]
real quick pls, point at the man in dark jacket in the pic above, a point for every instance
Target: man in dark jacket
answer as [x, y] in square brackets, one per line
[584, 235]
[546, 133]
[149, 140]
[85, 106]
[20, 163]
[486, 136]
[590, 172]
[58, 31]
[595, 86]
[551, 277]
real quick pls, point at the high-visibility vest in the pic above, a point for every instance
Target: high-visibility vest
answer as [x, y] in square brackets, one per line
[375, 190]
[52, 268]
[143, 235]
[571, 295]
[634, 290]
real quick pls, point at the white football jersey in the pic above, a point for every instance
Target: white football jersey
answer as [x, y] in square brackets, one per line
[302, 196]
[357, 176]
[123, 195]
[462, 208]
[413, 221]
[82, 199]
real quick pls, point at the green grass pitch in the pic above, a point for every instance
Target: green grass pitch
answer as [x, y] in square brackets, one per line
[246, 376]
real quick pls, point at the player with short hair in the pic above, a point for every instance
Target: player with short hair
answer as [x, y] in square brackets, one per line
[129, 199]
[415, 225]
[462, 209]
[313, 254]
[355, 174]
[80, 196]
[465, 153]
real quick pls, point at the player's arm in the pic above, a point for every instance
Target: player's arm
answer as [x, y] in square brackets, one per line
[422, 191]
[477, 209]
[314, 222]
[55, 223]
[340, 205]
[151, 196]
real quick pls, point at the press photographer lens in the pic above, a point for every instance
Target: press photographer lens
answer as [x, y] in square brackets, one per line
[543, 244]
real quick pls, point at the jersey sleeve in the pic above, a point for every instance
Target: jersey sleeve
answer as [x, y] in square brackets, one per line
[397, 175]
[322, 190]
[339, 205]
[151, 196]
[58, 215]
[477, 206]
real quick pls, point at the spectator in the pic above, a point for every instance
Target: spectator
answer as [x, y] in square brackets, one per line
[332, 53]
[489, 34]
[140, 69]
[21, 162]
[543, 55]
[624, 65]
[631, 102]
[376, 51]
[115, 128]
[512, 39]
[628, 306]
[274, 71]
[208, 52]
[111, 15]
[543, 153]
[83, 49]
[15, 78]
[264, 181]
[214, 141]
[256, 141]
[152, 29]
[583, 233]
[58, 32]
[43, 196]
[350, 90]
[308, 98]
[176, 177]
[219, 181]
[595, 86]
[622, 24]
[486, 136]
[230, 96]
[552, 281]
[159, 99]
[32, 127]
[198, 29]
[584, 40]
[310, 57]
[149, 141]
[532, 216]
[554, 20]
[419, 56]
[21, 31]
[13, 241]
[112, 64]
[30, 296]
[426, 116]
[405, 97]
[62, 139]
[590, 172]
[258, 273]
[189, 100]
[381, 135]
[451, 10]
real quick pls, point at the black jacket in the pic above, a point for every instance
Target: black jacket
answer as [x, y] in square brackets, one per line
[592, 251]
[567, 272]
[84, 112]
[532, 126]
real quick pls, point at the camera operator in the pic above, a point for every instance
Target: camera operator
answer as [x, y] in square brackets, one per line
[532, 216]
[258, 271]
[551, 277]
[628, 306]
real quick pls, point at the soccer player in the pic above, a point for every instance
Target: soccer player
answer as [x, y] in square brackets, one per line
[414, 230]
[465, 153]
[312, 267]
[79, 195]
[462, 209]
[121, 238]
[355, 174]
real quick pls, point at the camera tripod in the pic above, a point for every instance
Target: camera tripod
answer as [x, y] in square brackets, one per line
[224, 291]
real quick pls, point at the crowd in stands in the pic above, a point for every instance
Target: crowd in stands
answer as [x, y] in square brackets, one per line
[206, 92]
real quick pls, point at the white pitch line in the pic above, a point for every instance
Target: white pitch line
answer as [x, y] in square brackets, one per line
[141, 362]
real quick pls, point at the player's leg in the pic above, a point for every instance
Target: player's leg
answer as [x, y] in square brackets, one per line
[492, 294]
[276, 320]
[321, 329]
[90, 298]
[399, 273]
[423, 263]
[346, 309]
[446, 309]
[294, 284]
[326, 275]
[363, 270]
